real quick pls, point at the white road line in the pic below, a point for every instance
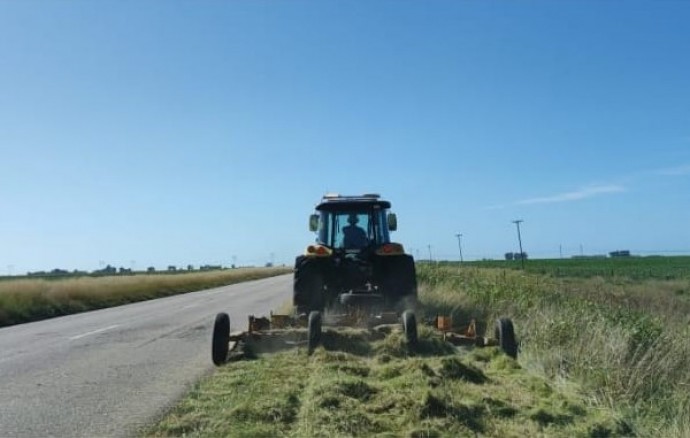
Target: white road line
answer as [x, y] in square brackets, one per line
[94, 332]
[189, 306]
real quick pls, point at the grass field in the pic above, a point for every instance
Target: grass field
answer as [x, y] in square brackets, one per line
[636, 268]
[26, 300]
[599, 356]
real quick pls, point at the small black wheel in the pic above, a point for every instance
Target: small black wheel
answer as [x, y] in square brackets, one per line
[314, 330]
[410, 328]
[221, 339]
[505, 333]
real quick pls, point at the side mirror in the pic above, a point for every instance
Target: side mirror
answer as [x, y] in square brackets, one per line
[392, 222]
[314, 222]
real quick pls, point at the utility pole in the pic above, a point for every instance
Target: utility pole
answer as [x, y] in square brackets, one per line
[582, 250]
[459, 236]
[430, 257]
[560, 250]
[517, 222]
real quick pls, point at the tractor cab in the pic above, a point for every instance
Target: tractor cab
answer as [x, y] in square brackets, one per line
[352, 223]
[353, 259]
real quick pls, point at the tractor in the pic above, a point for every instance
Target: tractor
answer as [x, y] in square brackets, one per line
[353, 275]
[354, 264]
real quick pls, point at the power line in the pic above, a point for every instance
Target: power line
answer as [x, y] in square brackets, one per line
[459, 236]
[517, 222]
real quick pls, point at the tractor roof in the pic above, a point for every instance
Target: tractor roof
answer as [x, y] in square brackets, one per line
[335, 202]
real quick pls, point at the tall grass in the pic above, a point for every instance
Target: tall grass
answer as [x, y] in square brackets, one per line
[626, 342]
[34, 299]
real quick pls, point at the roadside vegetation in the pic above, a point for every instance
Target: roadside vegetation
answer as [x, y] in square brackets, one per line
[623, 341]
[599, 356]
[26, 300]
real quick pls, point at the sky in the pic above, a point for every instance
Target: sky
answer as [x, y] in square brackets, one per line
[204, 132]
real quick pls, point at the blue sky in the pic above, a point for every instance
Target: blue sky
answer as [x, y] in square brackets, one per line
[156, 133]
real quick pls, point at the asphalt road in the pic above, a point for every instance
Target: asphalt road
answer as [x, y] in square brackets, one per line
[109, 372]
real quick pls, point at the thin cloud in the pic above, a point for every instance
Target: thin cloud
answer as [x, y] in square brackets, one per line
[583, 193]
[675, 171]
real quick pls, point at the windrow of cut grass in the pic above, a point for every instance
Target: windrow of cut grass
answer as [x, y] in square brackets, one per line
[27, 300]
[355, 388]
[624, 341]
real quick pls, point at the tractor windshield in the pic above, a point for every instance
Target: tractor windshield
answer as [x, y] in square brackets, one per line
[353, 230]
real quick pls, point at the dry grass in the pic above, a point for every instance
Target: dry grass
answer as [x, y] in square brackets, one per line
[34, 299]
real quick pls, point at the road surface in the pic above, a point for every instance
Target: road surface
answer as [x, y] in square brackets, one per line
[111, 371]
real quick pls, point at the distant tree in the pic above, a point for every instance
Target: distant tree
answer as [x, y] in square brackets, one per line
[172, 268]
[150, 269]
[190, 267]
[58, 271]
[509, 256]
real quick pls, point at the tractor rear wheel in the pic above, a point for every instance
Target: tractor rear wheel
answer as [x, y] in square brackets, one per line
[314, 331]
[221, 339]
[308, 286]
[505, 333]
[410, 328]
[399, 280]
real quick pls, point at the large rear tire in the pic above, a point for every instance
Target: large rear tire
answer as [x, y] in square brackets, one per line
[314, 331]
[308, 286]
[409, 322]
[505, 333]
[221, 339]
[398, 278]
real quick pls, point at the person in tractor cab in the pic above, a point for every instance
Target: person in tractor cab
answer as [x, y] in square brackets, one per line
[354, 236]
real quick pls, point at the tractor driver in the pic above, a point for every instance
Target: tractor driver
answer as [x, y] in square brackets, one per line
[354, 236]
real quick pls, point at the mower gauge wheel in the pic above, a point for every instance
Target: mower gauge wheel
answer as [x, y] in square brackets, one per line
[505, 333]
[314, 330]
[410, 328]
[221, 339]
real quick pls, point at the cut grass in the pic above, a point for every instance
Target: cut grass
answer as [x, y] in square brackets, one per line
[339, 394]
[29, 300]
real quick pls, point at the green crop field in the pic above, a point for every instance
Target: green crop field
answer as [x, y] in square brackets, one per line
[600, 355]
[638, 268]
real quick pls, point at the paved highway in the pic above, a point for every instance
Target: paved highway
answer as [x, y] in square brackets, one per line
[111, 371]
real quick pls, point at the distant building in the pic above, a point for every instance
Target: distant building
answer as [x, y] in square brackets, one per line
[516, 256]
[620, 253]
